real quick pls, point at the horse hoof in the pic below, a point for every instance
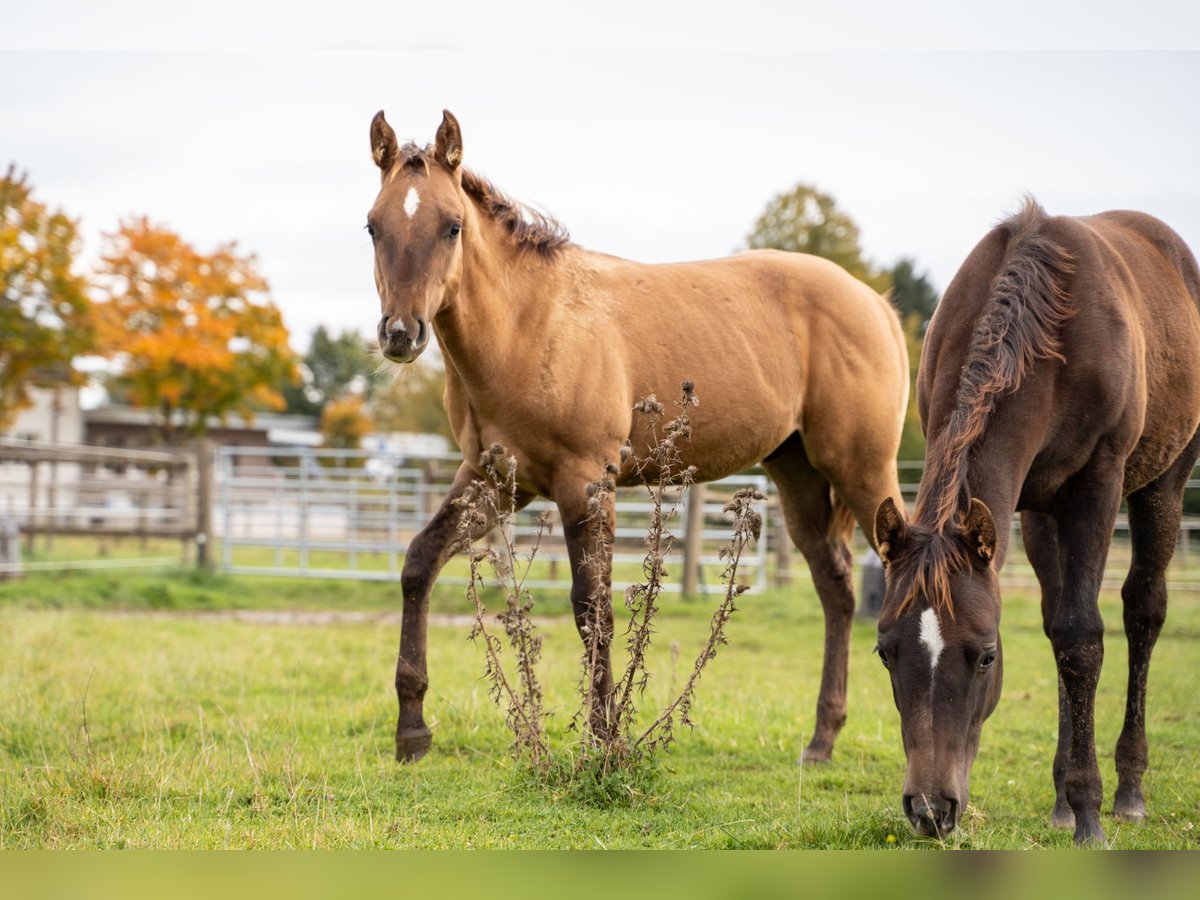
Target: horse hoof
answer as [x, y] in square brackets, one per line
[813, 756]
[1062, 817]
[1133, 811]
[1129, 807]
[412, 744]
[1089, 834]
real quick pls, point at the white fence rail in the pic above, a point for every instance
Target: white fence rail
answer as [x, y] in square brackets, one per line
[350, 514]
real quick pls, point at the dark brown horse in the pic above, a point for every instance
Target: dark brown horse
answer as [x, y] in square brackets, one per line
[1060, 374]
[548, 347]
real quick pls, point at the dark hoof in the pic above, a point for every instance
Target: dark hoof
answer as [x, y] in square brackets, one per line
[814, 755]
[412, 744]
[1130, 807]
[1062, 817]
[1089, 834]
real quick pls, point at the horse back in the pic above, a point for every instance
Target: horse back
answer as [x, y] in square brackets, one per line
[1138, 291]
[1120, 368]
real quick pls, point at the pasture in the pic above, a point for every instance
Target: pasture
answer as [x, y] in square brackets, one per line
[190, 711]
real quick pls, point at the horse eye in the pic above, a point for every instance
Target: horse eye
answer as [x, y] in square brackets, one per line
[883, 657]
[370, 230]
[986, 659]
[455, 229]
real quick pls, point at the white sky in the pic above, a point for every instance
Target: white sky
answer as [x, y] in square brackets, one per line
[919, 118]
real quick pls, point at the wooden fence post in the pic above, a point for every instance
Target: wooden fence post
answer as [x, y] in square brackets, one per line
[783, 547]
[33, 499]
[204, 503]
[693, 539]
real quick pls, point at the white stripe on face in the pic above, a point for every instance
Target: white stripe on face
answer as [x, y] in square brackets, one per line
[411, 201]
[931, 637]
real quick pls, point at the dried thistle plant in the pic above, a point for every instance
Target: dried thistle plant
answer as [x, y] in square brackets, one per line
[607, 743]
[491, 501]
[747, 527]
[662, 470]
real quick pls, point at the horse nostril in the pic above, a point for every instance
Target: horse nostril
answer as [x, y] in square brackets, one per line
[950, 817]
[422, 333]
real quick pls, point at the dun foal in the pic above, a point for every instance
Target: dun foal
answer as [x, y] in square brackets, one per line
[548, 346]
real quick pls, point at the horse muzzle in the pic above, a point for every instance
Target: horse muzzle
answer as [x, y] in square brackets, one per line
[932, 816]
[397, 343]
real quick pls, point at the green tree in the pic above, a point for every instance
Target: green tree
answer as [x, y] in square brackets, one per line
[912, 293]
[45, 313]
[413, 400]
[806, 220]
[912, 438]
[332, 368]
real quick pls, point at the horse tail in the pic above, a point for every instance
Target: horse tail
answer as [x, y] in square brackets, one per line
[841, 520]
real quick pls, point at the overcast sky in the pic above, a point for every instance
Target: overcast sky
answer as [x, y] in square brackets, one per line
[653, 153]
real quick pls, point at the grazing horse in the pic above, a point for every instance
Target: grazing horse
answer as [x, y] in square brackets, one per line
[1059, 375]
[548, 346]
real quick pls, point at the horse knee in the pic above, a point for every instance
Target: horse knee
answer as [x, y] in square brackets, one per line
[1078, 647]
[414, 578]
[420, 564]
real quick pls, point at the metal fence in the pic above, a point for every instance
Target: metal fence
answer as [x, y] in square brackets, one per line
[352, 514]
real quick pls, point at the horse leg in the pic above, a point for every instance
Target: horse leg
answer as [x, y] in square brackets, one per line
[1154, 514]
[1040, 534]
[428, 553]
[1087, 512]
[589, 548]
[804, 495]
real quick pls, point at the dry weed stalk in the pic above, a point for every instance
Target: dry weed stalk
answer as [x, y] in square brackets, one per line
[607, 744]
[747, 527]
[662, 469]
[491, 501]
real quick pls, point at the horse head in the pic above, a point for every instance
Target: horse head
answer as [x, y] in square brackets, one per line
[415, 225]
[939, 639]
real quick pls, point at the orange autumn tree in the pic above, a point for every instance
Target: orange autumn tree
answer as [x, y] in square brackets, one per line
[195, 335]
[45, 313]
[344, 424]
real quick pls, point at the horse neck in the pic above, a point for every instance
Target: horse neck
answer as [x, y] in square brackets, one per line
[996, 467]
[503, 299]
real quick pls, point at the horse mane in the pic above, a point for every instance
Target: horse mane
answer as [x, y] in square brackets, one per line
[527, 227]
[930, 556]
[1020, 323]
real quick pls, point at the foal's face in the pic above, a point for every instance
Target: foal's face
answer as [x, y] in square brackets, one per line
[416, 225]
[945, 664]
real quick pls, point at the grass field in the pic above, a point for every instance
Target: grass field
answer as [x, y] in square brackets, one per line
[136, 714]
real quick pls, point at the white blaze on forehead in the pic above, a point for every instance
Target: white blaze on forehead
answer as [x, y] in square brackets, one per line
[411, 201]
[931, 636]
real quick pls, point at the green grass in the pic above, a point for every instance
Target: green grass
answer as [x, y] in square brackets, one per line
[149, 730]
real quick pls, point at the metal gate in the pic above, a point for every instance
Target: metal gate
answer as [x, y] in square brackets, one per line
[352, 514]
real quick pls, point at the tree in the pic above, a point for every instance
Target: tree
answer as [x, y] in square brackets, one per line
[805, 220]
[344, 424]
[196, 334]
[45, 313]
[913, 294]
[413, 400]
[912, 437]
[332, 368]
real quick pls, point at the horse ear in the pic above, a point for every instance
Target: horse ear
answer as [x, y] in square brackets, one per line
[448, 146]
[383, 142]
[890, 530]
[980, 530]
